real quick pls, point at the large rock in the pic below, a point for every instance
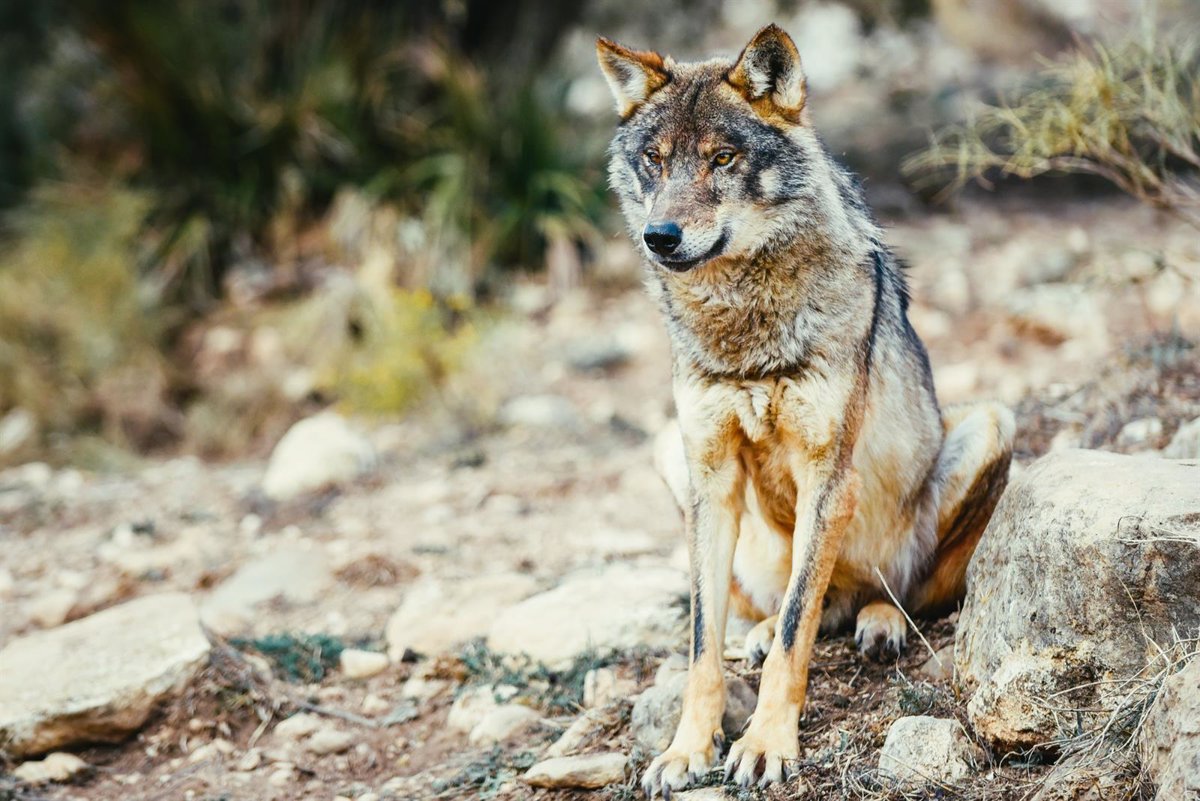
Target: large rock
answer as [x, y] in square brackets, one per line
[318, 452]
[921, 750]
[1089, 564]
[97, 679]
[1170, 740]
[615, 609]
[437, 615]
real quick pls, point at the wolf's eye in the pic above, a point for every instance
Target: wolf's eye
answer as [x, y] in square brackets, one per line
[652, 157]
[723, 158]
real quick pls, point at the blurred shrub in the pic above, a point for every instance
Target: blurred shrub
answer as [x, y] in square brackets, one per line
[1130, 114]
[244, 117]
[221, 135]
[79, 336]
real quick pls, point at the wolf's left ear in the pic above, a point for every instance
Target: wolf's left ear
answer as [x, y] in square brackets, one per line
[633, 75]
[768, 73]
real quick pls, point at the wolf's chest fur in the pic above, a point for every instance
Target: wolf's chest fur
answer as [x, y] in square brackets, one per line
[750, 319]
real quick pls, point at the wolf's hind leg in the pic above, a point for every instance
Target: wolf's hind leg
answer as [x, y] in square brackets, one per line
[881, 631]
[972, 472]
[758, 640]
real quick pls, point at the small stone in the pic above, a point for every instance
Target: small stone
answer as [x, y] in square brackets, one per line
[17, 428]
[657, 710]
[940, 666]
[470, 708]
[577, 734]
[421, 689]
[297, 727]
[599, 687]
[52, 608]
[1055, 313]
[588, 772]
[281, 776]
[717, 794]
[329, 741]
[924, 749]
[539, 411]
[672, 665]
[318, 452]
[56, 767]
[1140, 434]
[250, 760]
[1185, 444]
[357, 664]
[373, 705]
[503, 723]
[217, 748]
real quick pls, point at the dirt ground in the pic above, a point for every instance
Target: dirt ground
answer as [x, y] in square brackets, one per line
[1076, 314]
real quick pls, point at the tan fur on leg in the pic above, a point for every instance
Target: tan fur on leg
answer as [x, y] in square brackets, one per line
[972, 473]
[881, 631]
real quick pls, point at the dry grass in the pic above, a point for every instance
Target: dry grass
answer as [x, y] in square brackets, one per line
[1129, 114]
[1105, 755]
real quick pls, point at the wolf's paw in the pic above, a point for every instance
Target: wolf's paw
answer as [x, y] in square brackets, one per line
[882, 631]
[758, 641]
[680, 765]
[776, 750]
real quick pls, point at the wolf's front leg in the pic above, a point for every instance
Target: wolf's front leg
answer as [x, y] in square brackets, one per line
[771, 739]
[717, 487]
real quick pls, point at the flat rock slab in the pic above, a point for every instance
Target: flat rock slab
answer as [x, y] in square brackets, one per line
[97, 679]
[615, 609]
[296, 575]
[587, 772]
[437, 615]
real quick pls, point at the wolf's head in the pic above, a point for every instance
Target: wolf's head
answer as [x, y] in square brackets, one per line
[711, 159]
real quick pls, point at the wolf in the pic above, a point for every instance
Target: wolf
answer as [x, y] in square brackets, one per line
[819, 479]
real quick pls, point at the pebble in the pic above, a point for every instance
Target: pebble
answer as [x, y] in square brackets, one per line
[357, 664]
[373, 705]
[56, 767]
[1140, 433]
[250, 760]
[282, 776]
[329, 741]
[51, 608]
[503, 723]
[297, 727]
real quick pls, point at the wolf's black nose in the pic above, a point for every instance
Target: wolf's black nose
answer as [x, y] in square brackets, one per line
[663, 238]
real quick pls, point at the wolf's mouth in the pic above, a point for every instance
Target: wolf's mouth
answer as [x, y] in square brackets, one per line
[683, 265]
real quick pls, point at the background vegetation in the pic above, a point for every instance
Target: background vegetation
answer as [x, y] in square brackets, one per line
[216, 215]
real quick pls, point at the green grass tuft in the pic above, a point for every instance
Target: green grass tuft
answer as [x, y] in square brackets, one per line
[296, 657]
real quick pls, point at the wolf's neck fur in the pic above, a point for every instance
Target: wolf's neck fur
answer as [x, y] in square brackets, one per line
[764, 315]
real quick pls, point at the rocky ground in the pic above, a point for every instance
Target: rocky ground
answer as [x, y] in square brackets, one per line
[499, 580]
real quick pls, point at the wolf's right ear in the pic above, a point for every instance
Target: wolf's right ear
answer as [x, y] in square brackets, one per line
[769, 76]
[633, 75]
